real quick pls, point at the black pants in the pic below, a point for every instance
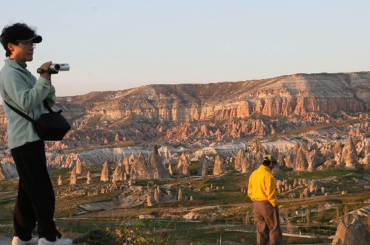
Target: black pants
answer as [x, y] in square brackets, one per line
[36, 199]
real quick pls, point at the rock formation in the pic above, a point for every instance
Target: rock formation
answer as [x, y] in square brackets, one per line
[204, 114]
[78, 167]
[301, 163]
[157, 167]
[349, 156]
[179, 195]
[248, 108]
[239, 160]
[289, 160]
[355, 233]
[126, 164]
[246, 165]
[131, 159]
[157, 195]
[337, 149]
[117, 174]
[219, 167]
[73, 178]
[139, 169]
[281, 160]
[203, 166]
[170, 171]
[105, 173]
[366, 146]
[88, 178]
[60, 181]
[2, 175]
[183, 166]
[149, 201]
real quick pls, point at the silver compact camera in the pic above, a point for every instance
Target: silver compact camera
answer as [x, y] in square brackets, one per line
[55, 68]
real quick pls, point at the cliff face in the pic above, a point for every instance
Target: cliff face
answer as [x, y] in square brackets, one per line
[170, 113]
[296, 94]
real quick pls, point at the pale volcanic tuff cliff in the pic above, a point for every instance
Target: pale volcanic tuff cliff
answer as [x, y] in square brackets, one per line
[169, 112]
[296, 94]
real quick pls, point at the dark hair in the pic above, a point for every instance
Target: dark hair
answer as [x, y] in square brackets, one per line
[268, 159]
[17, 31]
[266, 162]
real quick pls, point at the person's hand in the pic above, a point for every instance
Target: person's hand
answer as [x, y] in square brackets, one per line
[46, 75]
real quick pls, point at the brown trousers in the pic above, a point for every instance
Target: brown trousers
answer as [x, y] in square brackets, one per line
[268, 224]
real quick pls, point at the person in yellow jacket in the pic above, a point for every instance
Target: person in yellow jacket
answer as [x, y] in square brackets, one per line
[261, 189]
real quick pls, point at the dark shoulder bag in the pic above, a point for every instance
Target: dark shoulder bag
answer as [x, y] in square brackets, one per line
[50, 126]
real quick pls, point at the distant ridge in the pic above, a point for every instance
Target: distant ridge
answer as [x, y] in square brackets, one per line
[307, 82]
[222, 111]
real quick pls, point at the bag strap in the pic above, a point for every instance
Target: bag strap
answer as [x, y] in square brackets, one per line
[20, 113]
[47, 106]
[28, 117]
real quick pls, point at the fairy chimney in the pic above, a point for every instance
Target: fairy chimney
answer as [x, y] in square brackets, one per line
[289, 160]
[126, 165]
[156, 195]
[219, 167]
[170, 169]
[116, 138]
[131, 159]
[117, 174]
[2, 175]
[139, 169]
[239, 160]
[73, 178]
[245, 165]
[88, 178]
[349, 156]
[301, 163]
[183, 166]
[296, 147]
[179, 195]
[367, 146]
[105, 141]
[158, 169]
[337, 148]
[280, 160]
[60, 181]
[149, 200]
[105, 173]
[203, 166]
[78, 167]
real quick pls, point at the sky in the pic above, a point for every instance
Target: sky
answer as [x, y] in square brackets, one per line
[121, 44]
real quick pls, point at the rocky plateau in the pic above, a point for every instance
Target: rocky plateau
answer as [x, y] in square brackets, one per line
[211, 119]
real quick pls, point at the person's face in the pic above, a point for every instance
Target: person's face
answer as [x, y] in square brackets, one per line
[22, 52]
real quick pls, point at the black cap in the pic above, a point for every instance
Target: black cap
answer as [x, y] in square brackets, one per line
[34, 39]
[270, 158]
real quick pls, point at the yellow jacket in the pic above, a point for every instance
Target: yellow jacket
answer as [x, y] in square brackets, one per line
[261, 186]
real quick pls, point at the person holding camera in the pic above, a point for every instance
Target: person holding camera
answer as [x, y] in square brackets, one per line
[261, 189]
[18, 87]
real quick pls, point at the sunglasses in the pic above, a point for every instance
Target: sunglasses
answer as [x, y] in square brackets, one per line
[26, 43]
